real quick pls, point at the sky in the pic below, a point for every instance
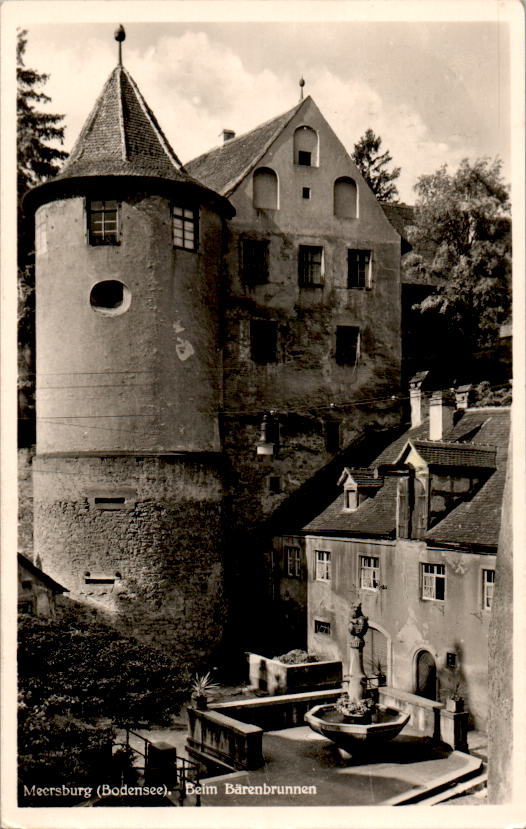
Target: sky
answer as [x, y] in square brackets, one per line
[436, 92]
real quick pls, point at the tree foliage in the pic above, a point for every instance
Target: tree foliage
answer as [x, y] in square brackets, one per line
[39, 134]
[96, 672]
[462, 245]
[38, 131]
[372, 164]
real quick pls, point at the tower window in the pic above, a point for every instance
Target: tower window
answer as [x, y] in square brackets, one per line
[274, 484]
[310, 265]
[305, 192]
[264, 341]
[254, 261]
[103, 222]
[347, 344]
[110, 297]
[304, 158]
[358, 268]
[184, 224]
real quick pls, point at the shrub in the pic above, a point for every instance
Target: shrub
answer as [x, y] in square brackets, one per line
[297, 657]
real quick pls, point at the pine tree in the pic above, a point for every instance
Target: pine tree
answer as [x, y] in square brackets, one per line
[38, 134]
[372, 165]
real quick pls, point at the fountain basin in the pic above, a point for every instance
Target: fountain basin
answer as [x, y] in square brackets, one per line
[326, 720]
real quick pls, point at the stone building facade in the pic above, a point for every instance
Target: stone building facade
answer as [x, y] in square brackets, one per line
[413, 537]
[209, 336]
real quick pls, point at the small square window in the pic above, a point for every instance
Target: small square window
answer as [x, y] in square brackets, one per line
[488, 583]
[323, 565]
[304, 158]
[358, 268]
[347, 345]
[310, 265]
[293, 559]
[322, 627]
[103, 222]
[305, 192]
[369, 573]
[264, 341]
[254, 261]
[185, 226]
[434, 582]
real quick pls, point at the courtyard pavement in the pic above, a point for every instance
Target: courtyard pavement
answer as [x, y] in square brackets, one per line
[300, 757]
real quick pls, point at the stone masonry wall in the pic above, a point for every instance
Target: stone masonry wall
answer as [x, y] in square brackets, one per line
[162, 548]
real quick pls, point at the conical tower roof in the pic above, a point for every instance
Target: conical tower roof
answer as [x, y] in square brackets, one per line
[122, 137]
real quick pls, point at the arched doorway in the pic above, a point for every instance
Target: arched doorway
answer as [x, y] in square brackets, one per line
[426, 676]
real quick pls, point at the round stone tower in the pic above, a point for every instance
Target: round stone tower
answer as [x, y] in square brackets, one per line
[127, 477]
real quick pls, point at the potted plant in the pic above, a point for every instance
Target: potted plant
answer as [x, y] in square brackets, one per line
[359, 712]
[201, 687]
[455, 700]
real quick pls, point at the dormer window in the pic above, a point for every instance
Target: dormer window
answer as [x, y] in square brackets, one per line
[184, 224]
[350, 498]
[103, 222]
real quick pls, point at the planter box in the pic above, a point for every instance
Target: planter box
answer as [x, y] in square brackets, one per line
[278, 678]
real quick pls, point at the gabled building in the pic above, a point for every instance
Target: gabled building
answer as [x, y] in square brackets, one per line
[414, 539]
[209, 336]
[36, 590]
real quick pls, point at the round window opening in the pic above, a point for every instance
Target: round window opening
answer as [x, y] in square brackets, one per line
[110, 297]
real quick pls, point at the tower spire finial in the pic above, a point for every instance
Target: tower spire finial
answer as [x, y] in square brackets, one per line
[119, 36]
[302, 84]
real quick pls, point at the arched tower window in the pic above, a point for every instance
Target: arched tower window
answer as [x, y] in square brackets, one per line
[306, 147]
[345, 198]
[265, 192]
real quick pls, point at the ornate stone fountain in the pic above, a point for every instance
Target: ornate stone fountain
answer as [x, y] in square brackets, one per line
[356, 718]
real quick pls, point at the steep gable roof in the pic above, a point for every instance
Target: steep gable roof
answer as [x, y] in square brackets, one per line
[443, 453]
[222, 168]
[472, 522]
[28, 565]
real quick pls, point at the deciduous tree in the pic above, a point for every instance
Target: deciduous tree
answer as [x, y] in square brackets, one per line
[462, 245]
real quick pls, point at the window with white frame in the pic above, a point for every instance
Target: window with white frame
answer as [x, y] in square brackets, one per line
[488, 582]
[434, 582]
[293, 558]
[323, 565]
[103, 222]
[369, 573]
[184, 224]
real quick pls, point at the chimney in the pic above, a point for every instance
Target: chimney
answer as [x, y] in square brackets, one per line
[415, 398]
[441, 413]
[462, 396]
[228, 135]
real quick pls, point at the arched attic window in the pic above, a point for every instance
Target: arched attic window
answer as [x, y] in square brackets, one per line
[306, 147]
[265, 189]
[345, 198]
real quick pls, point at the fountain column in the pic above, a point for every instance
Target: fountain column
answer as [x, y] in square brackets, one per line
[354, 684]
